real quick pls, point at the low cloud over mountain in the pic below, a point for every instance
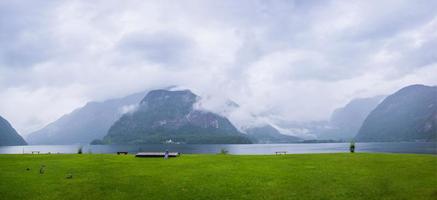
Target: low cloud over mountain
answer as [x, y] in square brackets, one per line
[283, 60]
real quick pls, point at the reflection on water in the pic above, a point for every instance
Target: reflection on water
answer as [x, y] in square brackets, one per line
[404, 147]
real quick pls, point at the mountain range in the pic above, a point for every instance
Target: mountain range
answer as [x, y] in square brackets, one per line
[85, 124]
[171, 116]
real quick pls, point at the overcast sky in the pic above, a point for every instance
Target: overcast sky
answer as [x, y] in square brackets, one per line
[292, 60]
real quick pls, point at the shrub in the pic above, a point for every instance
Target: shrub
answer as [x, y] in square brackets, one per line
[223, 151]
[352, 147]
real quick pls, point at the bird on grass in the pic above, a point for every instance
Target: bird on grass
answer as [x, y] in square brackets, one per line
[42, 169]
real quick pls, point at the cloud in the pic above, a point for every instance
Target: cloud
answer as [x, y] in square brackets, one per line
[281, 60]
[164, 48]
[23, 41]
[129, 108]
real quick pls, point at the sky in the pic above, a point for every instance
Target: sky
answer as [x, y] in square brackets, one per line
[287, 60]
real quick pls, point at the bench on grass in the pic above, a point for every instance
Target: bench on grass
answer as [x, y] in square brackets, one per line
[280, 152]
[156, 154]
[122, 152]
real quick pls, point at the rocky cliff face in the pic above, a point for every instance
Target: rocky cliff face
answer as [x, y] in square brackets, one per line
[410, 114]
[164, 116]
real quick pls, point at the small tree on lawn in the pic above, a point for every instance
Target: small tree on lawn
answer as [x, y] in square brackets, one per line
[223, 151]
[352, 147]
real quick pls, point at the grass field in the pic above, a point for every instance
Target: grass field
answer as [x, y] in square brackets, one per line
[305, 176]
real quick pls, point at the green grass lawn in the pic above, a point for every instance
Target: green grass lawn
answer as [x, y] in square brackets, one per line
[304, 176]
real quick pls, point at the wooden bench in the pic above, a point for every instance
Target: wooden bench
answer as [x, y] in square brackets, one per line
[122, 152]
[280, 152]
[35, 152]
[156, 154]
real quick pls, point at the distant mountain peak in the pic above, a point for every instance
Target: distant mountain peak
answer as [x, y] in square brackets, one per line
[165, 95]
[157, 98]
[415, 87]
[87, 123]
[170, 115]
[268, 134]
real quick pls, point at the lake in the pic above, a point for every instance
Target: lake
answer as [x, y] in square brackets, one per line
[242, 149]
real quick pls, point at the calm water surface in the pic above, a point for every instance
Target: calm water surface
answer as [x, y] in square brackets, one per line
[404, 147]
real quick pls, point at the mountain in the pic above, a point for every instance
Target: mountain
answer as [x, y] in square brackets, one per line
[267, 134]
[87, 123]
[410, 114]
[164, 116]
[345, 122]
[8, 135]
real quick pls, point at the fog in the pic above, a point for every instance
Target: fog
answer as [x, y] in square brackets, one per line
[278, 60]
